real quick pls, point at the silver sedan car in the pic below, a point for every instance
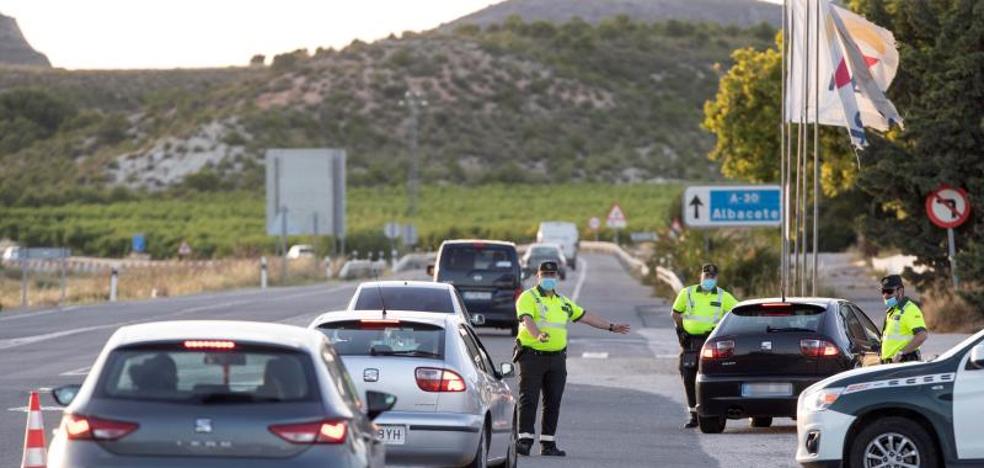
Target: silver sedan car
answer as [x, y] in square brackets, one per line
[453, 407]
[217, 394]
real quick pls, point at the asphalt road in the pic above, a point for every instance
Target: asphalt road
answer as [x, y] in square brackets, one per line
[623, 404]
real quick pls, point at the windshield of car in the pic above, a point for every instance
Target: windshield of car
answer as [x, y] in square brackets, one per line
[385, 338]
[477, 257]
[206, 376]
[404, 298]
[760, 318]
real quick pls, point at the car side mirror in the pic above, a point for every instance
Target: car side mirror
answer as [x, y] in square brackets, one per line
[430, 270]
[478, 320]
[378, 402]
[977, 356]
[64, 395]
[507, 370]
[876, 346]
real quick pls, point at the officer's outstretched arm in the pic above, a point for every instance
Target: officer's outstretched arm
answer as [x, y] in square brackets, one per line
[600, 323]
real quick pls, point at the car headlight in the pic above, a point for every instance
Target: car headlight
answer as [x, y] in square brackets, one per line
[819, 400]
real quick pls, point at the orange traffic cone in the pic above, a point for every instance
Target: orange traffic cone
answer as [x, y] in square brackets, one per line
[34, 446]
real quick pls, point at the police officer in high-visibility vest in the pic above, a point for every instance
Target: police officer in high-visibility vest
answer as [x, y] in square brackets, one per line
[904, 330]
[696, 311]
[541, 351]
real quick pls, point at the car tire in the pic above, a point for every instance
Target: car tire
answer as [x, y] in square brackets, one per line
[896, 432]
[511, 454]
[481, 459]
[712, 424]
[761, 421]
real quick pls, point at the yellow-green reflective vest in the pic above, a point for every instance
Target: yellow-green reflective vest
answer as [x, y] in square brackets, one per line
[899, 328]
[550, 314]
[700, 319]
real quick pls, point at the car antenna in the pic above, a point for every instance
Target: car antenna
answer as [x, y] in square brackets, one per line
[379, 289]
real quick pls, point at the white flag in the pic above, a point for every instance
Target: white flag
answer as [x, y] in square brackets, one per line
[847, 41]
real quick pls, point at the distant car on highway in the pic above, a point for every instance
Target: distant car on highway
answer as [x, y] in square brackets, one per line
[487, 275]
[300, 251]
[418, 296]
[764, 353]
[564, 234]
[218, 393]
[920, 414]
[11, 254]
[454, 407]
[544, 252]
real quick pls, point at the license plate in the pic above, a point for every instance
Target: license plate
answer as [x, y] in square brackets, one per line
[760, 390]
[393, 435]
[477, 295]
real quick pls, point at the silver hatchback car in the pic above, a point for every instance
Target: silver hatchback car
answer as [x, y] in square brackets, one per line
[453, 406]
[217, 394]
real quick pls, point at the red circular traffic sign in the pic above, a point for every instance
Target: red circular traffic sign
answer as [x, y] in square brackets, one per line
[594, 223]
[948, 207]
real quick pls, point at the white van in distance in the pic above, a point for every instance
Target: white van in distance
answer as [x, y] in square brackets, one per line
[562, 233]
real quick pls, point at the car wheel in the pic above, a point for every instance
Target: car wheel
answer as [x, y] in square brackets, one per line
[511, 455]
[893, 441]
[712, 424]
[481, 459]
[763, 421]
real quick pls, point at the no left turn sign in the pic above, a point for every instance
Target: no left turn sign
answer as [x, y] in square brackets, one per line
[948, 207]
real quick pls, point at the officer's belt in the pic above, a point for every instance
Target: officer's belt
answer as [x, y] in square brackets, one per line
[544, 353]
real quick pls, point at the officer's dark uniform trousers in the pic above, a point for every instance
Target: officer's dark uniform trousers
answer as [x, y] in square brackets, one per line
[546, 371]
[689, 357]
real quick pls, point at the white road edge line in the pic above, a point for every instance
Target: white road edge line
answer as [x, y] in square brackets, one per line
[580, 280]
[79, 371]
[590, 355]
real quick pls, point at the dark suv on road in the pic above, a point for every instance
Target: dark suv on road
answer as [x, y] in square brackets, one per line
[487, 275]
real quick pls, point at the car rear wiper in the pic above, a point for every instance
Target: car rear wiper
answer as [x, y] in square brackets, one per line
[788, 329]
[408, 352]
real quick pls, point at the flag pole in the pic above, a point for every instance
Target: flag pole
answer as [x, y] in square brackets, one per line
[804, 119]
[784, 241]
[816, 151]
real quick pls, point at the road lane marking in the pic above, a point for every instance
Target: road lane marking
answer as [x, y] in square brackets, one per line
[580, 279]
[25, 340]
[79, 371]
[590, 355]
[23, 409]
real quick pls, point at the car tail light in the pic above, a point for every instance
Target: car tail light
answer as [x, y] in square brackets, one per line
[377, 324]
[718, 349]
[209, 344]
[431, 379]
[818, 348]
[329, 431]
[80, 427]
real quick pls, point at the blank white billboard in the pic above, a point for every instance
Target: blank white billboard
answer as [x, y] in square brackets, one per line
[306, 189]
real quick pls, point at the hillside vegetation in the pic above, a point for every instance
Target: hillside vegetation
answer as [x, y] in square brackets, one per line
[233, 224]
[619, 101]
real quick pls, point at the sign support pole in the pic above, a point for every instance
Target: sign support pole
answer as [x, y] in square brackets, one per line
[23, 263]
[952, 247]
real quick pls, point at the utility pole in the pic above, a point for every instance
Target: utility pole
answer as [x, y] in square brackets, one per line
[413, 101]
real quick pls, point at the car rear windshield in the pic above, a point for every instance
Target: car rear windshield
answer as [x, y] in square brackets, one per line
[200, 375]
[477, 257]
[777, 318]
[405, 298]
[543, 252]
[385, 337]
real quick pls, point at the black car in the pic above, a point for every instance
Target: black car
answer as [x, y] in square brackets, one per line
[921, 414]
[487, 275]
[765, 352]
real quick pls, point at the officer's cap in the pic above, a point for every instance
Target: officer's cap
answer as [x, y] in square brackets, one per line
[549, 267]
[891, 282]
[710, 269]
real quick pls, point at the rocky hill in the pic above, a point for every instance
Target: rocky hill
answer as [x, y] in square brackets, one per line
[14, 49]
[620, 101]
[736, 12]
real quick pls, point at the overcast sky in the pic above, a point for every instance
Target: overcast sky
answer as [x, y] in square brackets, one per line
[79, 34]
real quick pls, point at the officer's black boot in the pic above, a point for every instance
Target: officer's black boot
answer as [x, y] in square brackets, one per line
[549, 449]
[692, 423]
[523, 446]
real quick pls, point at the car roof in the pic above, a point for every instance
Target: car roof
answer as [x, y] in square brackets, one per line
[478, 241]
[407, 283]
[816, 301]
[253, 332]
[433, 318]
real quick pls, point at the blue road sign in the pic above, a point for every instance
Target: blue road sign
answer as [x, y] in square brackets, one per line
[139, 243]
[732, 206]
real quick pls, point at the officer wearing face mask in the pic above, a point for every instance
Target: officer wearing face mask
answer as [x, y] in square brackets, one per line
[541, 351]
[696, 311]
[904, 330]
